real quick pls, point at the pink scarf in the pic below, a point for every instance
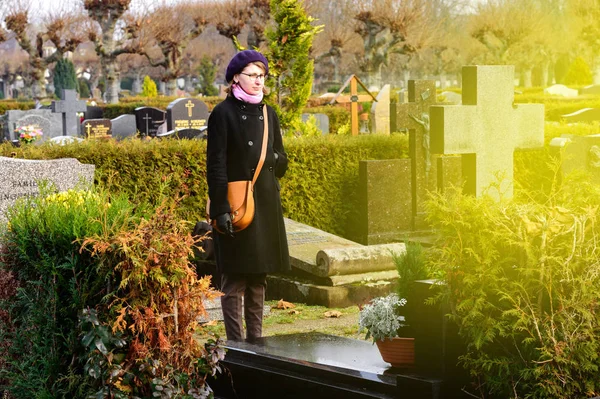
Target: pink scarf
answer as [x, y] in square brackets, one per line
[240, 94]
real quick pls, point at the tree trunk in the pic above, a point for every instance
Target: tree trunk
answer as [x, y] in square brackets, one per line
[526, 77]
[545, 73]
[38, 87]
[406, 78]
[162, 88]
[443, 81]
[137, 84]
[189, 86]
[112, 82]
[171, 87]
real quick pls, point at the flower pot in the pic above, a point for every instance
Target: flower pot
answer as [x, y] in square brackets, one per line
[399, 352]
[364, 116]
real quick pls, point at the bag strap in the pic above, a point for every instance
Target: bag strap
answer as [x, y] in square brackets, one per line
[263, 150]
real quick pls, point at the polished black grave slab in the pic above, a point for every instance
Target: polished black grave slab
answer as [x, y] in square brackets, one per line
[316, 365]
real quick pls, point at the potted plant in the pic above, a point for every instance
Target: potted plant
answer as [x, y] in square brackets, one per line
[382, 319]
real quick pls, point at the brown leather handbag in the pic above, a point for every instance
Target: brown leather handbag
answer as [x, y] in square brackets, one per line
[240, 194]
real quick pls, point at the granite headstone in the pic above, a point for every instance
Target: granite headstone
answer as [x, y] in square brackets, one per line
[96, 128]
[23, 178]
[186, 113]
[123, 126]
[50, 123]
[148, 120]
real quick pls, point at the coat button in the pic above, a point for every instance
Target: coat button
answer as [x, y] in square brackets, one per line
[243, 107]
[261, 117]
[250, 143]
[270, 168]
[244, 117]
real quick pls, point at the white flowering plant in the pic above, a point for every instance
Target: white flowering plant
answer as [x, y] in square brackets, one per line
[381, 319]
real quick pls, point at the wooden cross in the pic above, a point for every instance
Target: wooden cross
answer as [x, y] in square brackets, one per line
[488, 126]
[354, 98]
[189, 106]
[414, 116]
[69, 106]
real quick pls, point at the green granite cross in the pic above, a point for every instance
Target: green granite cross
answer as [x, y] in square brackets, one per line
[488, 126]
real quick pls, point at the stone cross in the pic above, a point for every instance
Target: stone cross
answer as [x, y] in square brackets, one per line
[414, 116]
[488, 126]
[353, 99]
[68, 107]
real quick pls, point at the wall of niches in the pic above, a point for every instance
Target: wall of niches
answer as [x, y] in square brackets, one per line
[319, 189]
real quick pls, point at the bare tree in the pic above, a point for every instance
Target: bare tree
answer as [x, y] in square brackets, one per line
[388, 26]
[114, 33]
[61, 30]
[172, 28]
[513, 32]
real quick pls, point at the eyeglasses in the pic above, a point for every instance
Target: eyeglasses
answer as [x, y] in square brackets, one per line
[254, 76]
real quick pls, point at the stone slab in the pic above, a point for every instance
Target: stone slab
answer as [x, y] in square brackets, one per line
[580, 153]
[586, 115]
[380, 112]
[561, 90]
[187, 113]
[124, 126]
[321, 366]
[23, 177]
[324, 255]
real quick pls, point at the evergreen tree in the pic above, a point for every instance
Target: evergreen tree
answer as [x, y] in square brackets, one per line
[64, 77]
[149, 87]
[290, 68]
[207, 71]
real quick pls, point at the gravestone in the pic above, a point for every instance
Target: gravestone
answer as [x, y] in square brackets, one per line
[148, 120]
[50, 123]
[123, 126]
[23, 177]
[64, 140]
[380, 112]
[488, 127]
[559, 90]
[384, 202]
[184, 134]
[69, 106]
[186, 113]
[586, 115]
[591, 89]
[96, 128]
[425, 166]
[321, 366]
[321, 120]
[579, 153]
[332, 271]
[452, 97]
[93, 112]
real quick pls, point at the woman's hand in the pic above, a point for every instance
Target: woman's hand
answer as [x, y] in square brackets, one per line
[224, 224]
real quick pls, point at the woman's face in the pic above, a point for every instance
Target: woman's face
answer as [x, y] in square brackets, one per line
[252, 79]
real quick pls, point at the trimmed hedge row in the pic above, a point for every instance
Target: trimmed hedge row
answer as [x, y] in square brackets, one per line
[320, 187]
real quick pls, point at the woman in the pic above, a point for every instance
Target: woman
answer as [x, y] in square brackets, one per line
[235, 135]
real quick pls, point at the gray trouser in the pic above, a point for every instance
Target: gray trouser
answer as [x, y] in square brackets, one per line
[252, 288]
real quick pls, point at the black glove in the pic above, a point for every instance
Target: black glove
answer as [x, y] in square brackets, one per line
[224, 224]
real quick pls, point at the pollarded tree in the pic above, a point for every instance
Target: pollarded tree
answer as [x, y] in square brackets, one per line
[110, 18]
[290, 66]
[388, 27]
[171, 29]
[61, 29]
[514, 32]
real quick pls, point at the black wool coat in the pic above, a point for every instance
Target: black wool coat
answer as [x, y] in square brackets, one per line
[235, 134]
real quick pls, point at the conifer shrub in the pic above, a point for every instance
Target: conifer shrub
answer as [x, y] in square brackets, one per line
[149, 87]
[523, 281]
[579, 73]
[65, 77]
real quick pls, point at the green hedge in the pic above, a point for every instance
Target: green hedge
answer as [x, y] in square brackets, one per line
[319, 188]
[338, 116]
[6, 105]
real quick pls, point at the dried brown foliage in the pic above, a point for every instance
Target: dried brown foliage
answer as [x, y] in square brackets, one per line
[159, 296]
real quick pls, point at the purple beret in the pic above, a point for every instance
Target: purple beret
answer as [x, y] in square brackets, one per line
[241, 59]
